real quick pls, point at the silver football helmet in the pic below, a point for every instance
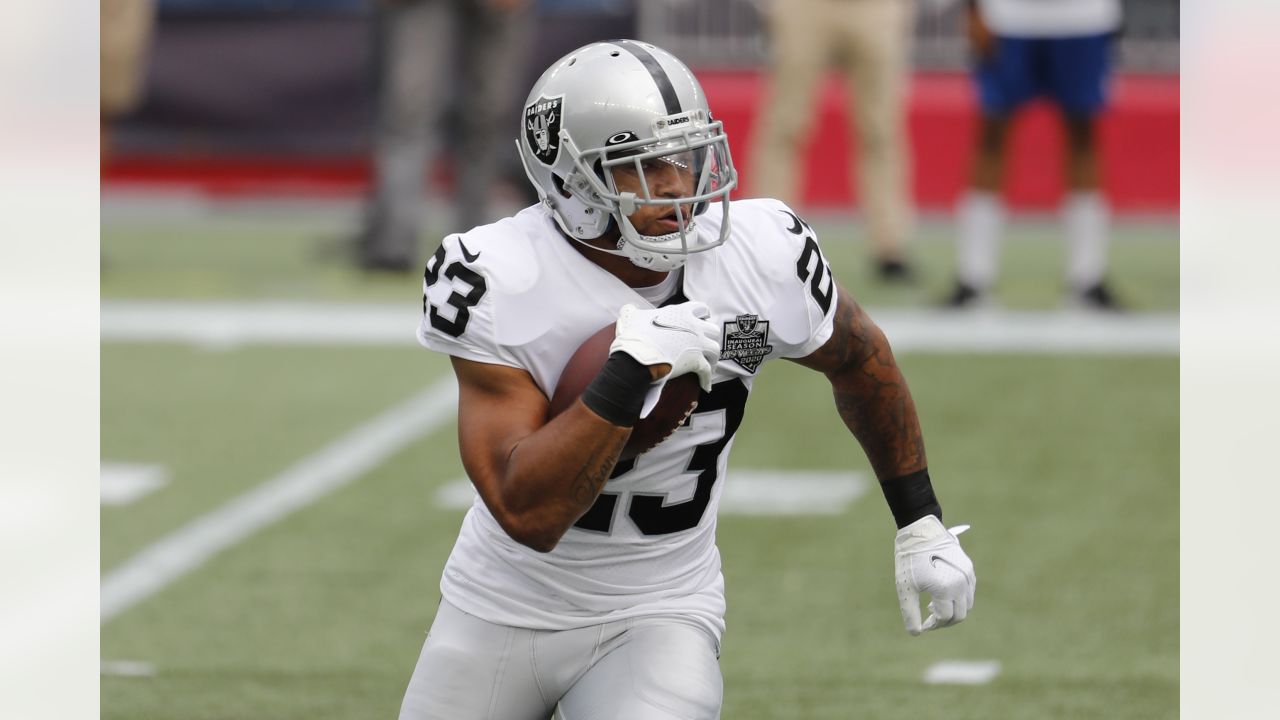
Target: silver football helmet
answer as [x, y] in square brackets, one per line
[599, 128]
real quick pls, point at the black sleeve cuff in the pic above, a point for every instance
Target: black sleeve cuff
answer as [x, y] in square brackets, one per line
[911, 497]
[617, 393]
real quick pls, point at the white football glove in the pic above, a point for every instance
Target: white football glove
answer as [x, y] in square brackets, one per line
[678, 335]
[927, 558]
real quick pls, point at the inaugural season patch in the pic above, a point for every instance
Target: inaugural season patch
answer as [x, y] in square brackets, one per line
[746, 341]
[542, 128]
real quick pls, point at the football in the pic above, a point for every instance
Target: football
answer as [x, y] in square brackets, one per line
[679, 396]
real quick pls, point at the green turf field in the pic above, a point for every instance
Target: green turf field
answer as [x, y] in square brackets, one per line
[270, 256]
[1066, 466]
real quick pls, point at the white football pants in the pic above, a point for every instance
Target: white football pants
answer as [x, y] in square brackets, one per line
[651, 668]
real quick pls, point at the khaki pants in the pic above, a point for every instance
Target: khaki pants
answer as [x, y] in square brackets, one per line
[870, 42]
[126, 37]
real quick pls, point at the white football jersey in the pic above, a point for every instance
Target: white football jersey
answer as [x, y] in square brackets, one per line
[1050, 18]
[517, 293]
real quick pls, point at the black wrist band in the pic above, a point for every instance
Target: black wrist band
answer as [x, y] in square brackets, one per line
[617, 393]
[911, 497]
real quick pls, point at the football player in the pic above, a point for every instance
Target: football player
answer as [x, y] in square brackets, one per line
[1024, 49]
[581, 584]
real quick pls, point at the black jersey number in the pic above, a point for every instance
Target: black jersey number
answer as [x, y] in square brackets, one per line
[461, 303]
[811, 255]
[651, 513]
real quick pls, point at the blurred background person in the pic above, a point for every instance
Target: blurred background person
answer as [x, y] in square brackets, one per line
[416, 42]
[1024, 49]
[126, 27]
[870, 42]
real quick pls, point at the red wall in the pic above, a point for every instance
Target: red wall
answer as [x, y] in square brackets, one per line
[1139, 143]
[1139, 137]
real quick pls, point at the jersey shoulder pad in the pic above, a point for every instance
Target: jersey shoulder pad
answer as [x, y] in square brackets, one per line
[467, 279]
[773, 234]
[784, 250]
[765, 217]
[503, 251]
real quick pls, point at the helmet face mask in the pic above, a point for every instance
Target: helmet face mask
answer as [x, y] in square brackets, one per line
[678, 172]
[604, 151]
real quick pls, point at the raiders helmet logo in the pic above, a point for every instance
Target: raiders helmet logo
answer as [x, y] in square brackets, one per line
[542, 128]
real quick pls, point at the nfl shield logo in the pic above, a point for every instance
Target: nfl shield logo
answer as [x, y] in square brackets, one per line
[542, 128]
[746, 341]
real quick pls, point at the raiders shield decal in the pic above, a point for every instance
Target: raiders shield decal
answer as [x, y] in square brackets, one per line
[746, 341]
[542, 128]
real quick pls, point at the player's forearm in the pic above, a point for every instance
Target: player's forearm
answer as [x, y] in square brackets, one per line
[870, 392]
[872, 398]
[554, 475]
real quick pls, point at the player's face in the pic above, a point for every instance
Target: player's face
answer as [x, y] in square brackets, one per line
[668, 177]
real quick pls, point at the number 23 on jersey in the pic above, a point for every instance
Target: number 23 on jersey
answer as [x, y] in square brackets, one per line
[460, 302]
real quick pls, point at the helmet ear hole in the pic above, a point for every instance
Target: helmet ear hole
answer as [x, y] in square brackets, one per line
[560, 188]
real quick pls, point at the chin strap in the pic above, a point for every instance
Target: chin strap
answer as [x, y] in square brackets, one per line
[650, 260]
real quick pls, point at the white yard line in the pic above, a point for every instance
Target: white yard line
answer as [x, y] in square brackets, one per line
[746, 492]
[1021, 331]
[962, 672]
[791, 492]
[229, 324]
[308, 480]
[127, 668]
[127, 483]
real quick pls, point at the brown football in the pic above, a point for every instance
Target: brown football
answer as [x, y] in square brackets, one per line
[679, 396]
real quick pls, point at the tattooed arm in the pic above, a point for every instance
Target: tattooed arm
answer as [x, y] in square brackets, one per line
[874, 402]
[870, 392]
[536, 477]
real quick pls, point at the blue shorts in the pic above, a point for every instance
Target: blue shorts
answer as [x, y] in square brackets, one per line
[1071, 71]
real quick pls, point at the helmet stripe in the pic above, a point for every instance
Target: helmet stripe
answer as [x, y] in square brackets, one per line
[669, 97]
